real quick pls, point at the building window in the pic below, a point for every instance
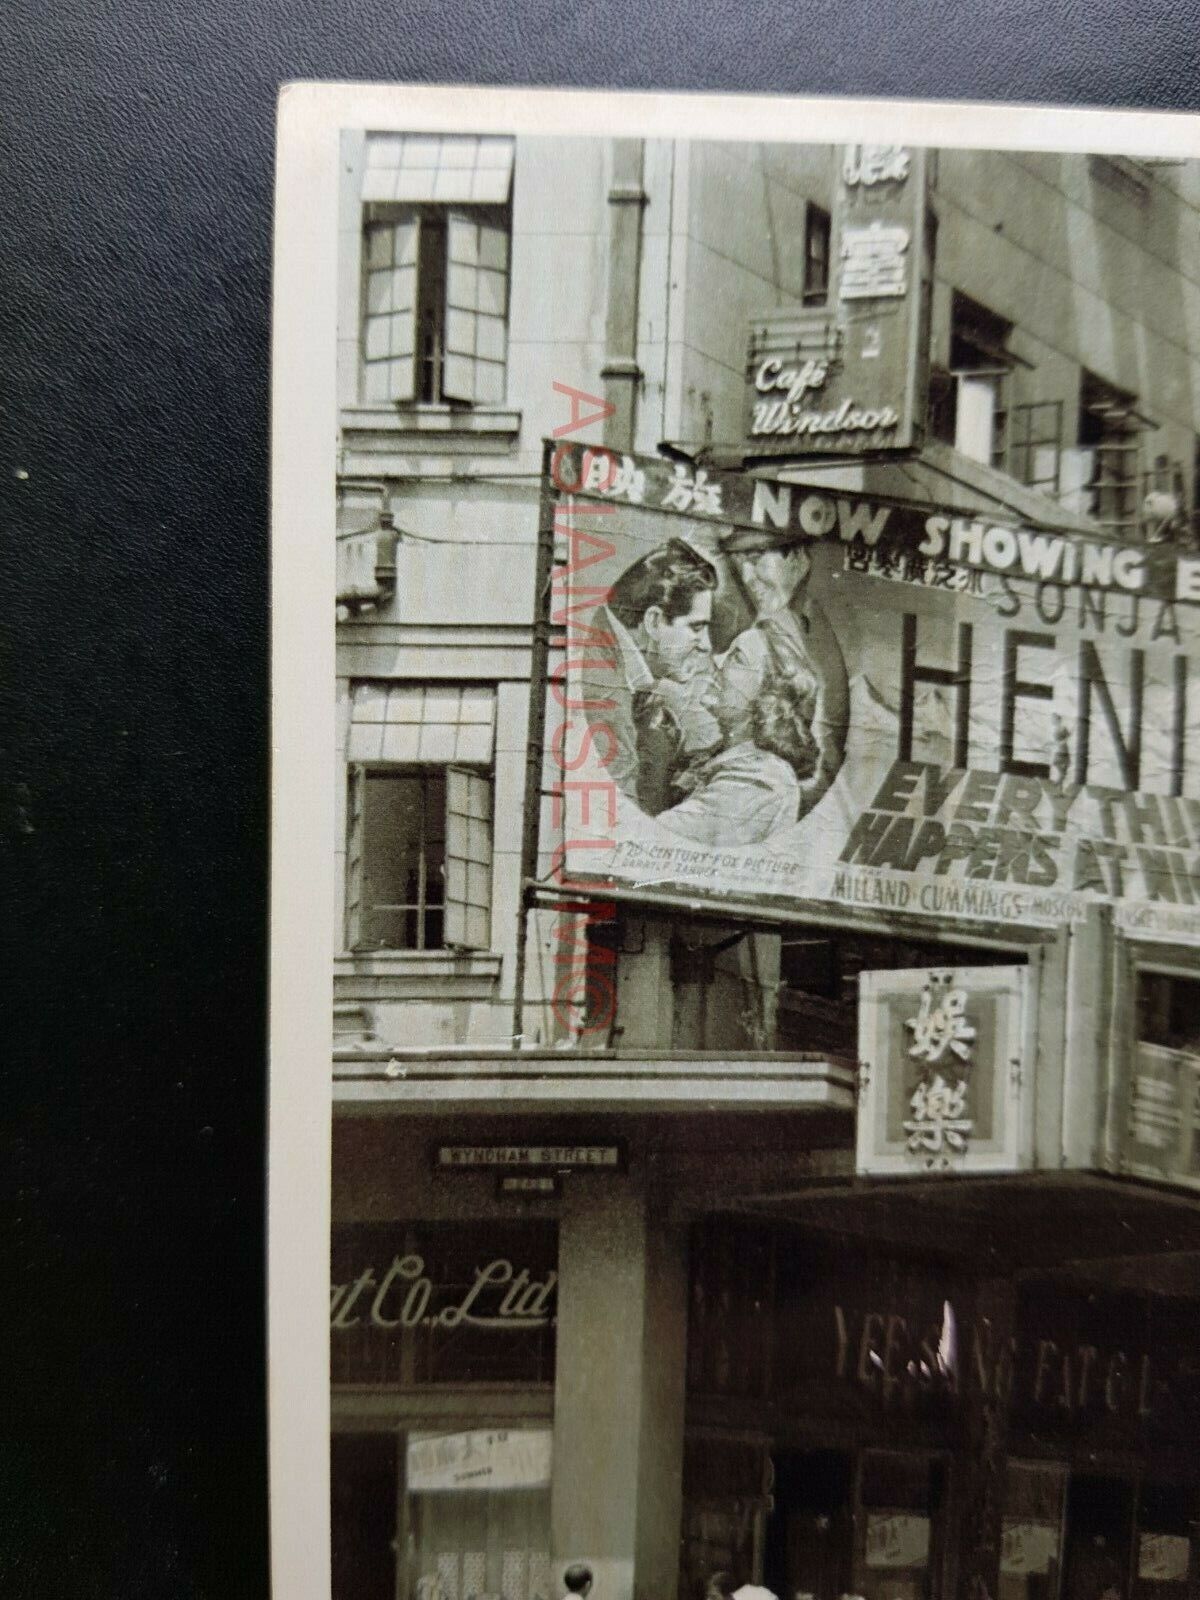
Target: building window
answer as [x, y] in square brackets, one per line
[437, 225]
[816, 256]
[1168, 1010]
[1109, 455]
[1035, 439]
[419, 834]
[968, 400]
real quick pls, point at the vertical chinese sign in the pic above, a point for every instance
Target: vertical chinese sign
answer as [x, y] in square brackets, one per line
[944, 1069]
[850, 378]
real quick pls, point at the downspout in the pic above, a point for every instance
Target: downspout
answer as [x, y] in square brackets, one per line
[621, 372]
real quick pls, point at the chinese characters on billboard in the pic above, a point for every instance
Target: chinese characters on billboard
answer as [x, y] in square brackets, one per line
[774, 693]
[943, 1055]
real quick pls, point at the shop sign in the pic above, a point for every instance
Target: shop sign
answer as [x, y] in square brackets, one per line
[1006, 731]
[1163, 1557]
[443, 1302]
[851, 379]
[826, 1333]
[401, 1294]
[1027, 1548]
[1160, 1128]
[941, 1054]
[481, 1460]
[1067, 1367]
[897, 1539]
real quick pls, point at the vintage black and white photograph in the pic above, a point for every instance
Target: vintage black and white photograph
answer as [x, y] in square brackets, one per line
[762, 1034]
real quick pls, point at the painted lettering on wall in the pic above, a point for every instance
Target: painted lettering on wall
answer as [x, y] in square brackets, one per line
[891, 1353]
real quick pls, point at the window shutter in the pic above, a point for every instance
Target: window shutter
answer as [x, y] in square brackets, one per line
[476, 337]
[976, 415]
[390, 315]
[468, 904]
[354, 860]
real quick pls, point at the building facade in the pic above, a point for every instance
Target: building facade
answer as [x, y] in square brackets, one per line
[610, 1283]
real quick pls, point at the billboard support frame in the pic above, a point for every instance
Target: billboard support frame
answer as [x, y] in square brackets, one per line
[819, 914]
[539, 662]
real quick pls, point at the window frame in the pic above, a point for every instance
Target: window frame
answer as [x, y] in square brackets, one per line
[818, 224]
[356, 910]
[1109, 434]
[978, 352]
[433, 220]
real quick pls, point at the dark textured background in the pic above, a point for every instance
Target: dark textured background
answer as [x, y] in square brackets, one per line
[136, 146]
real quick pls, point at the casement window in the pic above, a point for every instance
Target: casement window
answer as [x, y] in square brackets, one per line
[968, 401]
[1035, 444]
[437, 225]
[419, 830]
[816, 256]
[1108, 461]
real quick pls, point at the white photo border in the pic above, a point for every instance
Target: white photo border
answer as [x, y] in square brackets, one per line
[303, 466]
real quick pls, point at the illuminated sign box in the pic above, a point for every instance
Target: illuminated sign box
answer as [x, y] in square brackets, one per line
[851, 379]
[945, 1084]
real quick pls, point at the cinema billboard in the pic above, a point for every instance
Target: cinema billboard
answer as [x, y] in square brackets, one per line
[774, 694]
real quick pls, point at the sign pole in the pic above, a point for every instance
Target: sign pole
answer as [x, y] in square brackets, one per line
[539, 661]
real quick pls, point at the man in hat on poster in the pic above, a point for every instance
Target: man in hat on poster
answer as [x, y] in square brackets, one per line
[653, 697]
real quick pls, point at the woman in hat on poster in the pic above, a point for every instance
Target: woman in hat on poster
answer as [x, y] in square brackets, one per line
[789, 637]
[751, 787]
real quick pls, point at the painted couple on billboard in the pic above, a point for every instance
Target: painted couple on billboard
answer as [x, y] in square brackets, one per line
[726, 691]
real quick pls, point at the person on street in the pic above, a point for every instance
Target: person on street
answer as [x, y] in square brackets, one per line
[577, 1581]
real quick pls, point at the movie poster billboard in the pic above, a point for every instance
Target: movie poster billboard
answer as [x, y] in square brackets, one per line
[770, 693]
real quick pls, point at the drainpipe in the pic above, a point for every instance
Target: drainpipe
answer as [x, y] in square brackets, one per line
[621, 373]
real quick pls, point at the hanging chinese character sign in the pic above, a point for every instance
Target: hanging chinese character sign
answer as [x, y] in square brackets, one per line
[943, 1075]
[849, 377]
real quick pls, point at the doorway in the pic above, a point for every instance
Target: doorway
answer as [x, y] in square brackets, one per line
[867, 1524]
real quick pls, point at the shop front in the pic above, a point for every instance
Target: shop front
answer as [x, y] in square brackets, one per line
[442, 1351]
[860, 1423]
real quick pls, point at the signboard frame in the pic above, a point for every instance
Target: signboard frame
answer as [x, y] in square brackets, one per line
[602, 1157]
[918, 1112]
[864, 356]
